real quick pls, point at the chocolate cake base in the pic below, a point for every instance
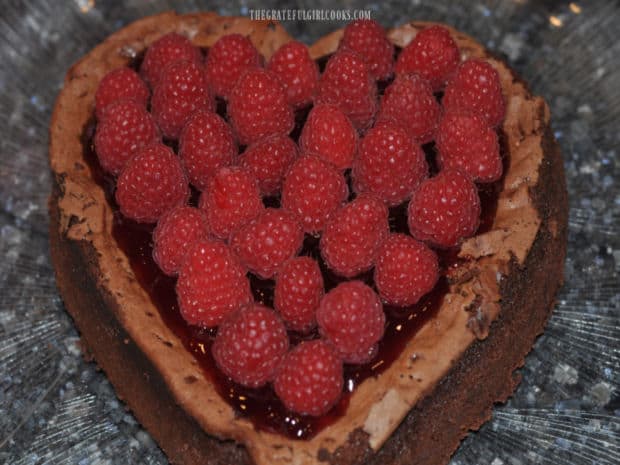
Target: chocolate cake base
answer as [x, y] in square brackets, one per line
[433, 429]
[483, 375]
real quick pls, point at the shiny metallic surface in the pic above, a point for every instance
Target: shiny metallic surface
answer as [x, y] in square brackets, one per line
[55, 408]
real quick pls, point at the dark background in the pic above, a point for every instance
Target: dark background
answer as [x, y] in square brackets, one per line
[57, 409]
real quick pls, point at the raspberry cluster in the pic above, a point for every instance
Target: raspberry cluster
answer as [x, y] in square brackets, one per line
[260, 194]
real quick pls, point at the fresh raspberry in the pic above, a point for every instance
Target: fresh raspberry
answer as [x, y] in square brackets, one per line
[120, 84]
[269, 159]
[298, 292]
[258, 107]
[267, 241]
[227, 59]
[310, 379]
[151, 183]
[329, 134]
[367, 37]
[405, 270]
[165, 51]
[174, 234]
[127, 128]
[445, 209]
[297, 71]
[409, 100]
[354, 233]
[348, 84]
[476, 86]
[231, 200]
[466, 142]
[250, 344]
[206, 144]
[313, 190]
[182, 90]
[433, 54]
[212, 284]
[351, 318]
[389, 164]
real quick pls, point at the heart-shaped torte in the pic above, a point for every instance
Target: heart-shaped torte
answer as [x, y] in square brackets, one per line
[415, 331]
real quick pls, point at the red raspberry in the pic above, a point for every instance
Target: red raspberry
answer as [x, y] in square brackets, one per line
[120, 84]
[206, 144]
[351, 318]
[476, 86]
[313, 190]
[405, 270]
[433, 54]
[354, 233]
[269, 159]
[348, 84]
[297, 71]
[329, 134]
[466, 142]
[310, 380]
[267, 241]
[231, 200]
[409, 100]
[389, 164]
[126, 128]
[181, 91]
[212, 284]
[367, 37]
[165, 51]
[445, 209]
[250, 344]
[227, 59]
[298, 291]
[258, 107]
[151, 183]
[175, 233]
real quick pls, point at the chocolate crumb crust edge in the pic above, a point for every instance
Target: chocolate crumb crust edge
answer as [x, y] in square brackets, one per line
[442, 414]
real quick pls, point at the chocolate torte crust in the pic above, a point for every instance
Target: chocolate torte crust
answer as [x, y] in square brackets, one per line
[430, 432]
